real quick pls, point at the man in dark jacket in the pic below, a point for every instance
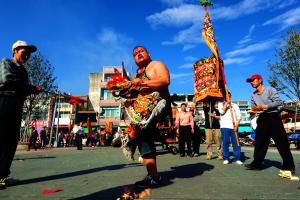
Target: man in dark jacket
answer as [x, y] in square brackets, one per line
[14, 88]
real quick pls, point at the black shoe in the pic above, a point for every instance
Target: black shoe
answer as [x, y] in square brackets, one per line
[148, 182]
[182, 155]
[196, 155]
[253, 166]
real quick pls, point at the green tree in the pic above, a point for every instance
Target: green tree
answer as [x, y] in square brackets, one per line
[40, 73]
[285, 70]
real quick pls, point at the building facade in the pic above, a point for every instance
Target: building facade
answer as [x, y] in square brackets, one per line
[103, 102]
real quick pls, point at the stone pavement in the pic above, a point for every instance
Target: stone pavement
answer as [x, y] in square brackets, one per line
[103, 173]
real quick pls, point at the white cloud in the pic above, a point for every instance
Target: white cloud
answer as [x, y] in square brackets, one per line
[248, 37]
[176, 16]
[184, 14]
[288, 19]
[191, 35]
[244, 60]
[110, 46]
[188, 47]
[190, 58]
[180, 75]
[172, 2]
[186, 66]
[261, 46]
[286, 3]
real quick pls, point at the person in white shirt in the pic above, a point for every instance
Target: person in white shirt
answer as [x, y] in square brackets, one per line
[228, 128]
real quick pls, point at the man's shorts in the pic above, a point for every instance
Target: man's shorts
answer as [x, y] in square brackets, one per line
[147, 136]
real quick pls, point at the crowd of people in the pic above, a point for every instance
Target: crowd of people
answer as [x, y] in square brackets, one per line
[65, 138]
[222, 118]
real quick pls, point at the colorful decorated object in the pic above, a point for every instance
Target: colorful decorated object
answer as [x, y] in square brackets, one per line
[209, 79]
[206, 79]
[121, 86]
[141, 109]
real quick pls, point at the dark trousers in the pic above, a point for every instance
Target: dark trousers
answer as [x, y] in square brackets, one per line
[79, 142]
[196, 141]
[185, 133]
[44, 142]
[32, 142]
[270, 126]
[10, 122]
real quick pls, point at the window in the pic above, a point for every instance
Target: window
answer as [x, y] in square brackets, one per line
[111, 112]
[107, 95]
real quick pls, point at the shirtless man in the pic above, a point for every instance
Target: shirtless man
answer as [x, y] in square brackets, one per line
[154, 76]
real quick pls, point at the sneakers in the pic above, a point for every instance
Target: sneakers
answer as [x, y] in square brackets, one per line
[196, 155]
[288, 175]
[3, 183]
[148, 182]
[239, 162]
[225, 162]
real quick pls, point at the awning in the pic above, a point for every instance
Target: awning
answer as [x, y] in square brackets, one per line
[246, 129]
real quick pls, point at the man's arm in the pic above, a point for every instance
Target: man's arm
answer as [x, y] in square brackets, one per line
[221, 108]
[177, 121]
[238, 117]
[192, 122]
[7, 76]
[273, 100]
[159, 76]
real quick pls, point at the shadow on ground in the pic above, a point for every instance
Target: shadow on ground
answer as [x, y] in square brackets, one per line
[77, 173]
[34, 158]
[271, 163]
[184, 171]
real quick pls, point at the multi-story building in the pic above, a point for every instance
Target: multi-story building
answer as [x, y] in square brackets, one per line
[103, 102]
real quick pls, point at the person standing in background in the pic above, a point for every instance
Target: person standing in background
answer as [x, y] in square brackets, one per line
[212, 129]
[229, 123]
[185, 122]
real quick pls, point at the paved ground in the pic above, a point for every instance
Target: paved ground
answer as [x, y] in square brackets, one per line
[103, 173]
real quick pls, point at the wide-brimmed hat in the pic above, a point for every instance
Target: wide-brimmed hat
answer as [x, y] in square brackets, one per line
[24, 44]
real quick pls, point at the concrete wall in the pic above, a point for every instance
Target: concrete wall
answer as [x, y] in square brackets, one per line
[94, 89]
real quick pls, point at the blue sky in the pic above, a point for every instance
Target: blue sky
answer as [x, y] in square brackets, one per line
[81, 36]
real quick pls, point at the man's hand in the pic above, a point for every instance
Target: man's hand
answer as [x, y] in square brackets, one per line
[259, 107]
[137, 82]
[211, 114]
[236, 129]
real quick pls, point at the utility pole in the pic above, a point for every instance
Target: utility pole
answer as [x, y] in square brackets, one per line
[57, 124]
[53, 118]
